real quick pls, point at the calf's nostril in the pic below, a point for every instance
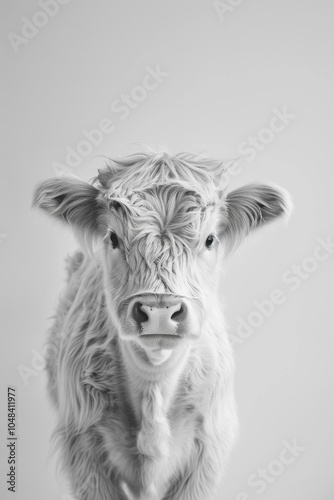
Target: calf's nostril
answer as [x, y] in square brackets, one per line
[179, 315]
[138, 314]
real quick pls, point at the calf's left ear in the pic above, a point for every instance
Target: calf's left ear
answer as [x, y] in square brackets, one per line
[71, 201]
[250, 207]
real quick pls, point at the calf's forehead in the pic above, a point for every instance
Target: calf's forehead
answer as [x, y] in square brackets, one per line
[164, 209]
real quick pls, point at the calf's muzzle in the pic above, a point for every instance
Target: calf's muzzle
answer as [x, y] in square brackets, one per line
[159, 314]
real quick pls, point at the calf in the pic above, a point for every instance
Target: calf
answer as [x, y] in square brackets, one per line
[140, 368]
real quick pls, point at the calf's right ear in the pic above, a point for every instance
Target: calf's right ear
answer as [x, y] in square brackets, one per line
[250, 207]
[72, 201]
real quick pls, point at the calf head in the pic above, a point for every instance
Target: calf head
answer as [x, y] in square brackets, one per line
[160, 226]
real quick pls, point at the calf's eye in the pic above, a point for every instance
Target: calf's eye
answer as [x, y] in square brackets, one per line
[211, 241]
[114, 240]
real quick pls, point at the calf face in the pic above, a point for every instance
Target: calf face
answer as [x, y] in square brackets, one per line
[160, 225]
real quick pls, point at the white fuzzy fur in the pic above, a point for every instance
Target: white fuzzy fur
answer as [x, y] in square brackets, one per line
[136, 422]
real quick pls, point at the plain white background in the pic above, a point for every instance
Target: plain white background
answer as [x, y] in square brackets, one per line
[227, 74]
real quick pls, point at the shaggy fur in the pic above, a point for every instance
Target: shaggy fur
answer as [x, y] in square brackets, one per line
[139, 418]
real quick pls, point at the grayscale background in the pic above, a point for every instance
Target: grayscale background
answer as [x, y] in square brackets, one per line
[227, 69]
